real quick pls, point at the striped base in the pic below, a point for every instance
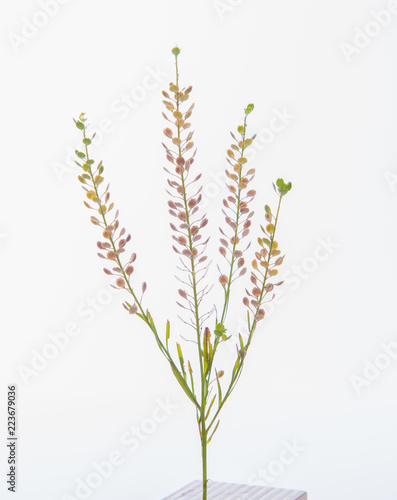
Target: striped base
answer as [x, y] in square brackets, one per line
[227, 491]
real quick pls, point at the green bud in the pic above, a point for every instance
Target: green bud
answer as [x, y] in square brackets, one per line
[267, 209]
[86, 141]
[219, 330]
[176, 51]
[80, 125]
[249, 108]
[240, 129]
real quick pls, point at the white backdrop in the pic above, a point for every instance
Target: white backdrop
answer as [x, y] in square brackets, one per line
[316, 406]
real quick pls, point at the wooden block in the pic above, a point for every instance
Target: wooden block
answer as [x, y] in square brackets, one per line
[228, 491]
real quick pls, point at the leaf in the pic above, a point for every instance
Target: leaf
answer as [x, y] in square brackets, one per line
[167, 333]
[209, 407]
[236, 367]
[181, 360]
[216, 427]
[219, 390]
[184, 385]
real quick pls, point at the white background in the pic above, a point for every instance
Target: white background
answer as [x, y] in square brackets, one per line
[304, 380]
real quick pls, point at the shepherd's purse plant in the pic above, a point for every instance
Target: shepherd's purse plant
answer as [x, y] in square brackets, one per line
[207, 387]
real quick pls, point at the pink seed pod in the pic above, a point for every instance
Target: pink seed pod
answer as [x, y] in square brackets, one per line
[168, 133]
[260, 315]
[246, 302]
[133, 309]
[256, 292]
[144, 287]
[182, 293]
[111, 255]
[223, 280]
[129, 270]
[120, 283]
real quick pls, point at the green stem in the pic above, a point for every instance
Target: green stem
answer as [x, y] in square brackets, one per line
[229, 283]
[236, 376]
[204, 464]
[203, 429]
[126, 279]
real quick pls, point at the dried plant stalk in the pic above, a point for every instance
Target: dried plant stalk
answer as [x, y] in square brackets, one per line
[208, 393]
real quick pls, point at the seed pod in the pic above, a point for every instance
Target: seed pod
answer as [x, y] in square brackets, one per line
[223, 280]
[133, 309]
[129, 270]
[120, 283]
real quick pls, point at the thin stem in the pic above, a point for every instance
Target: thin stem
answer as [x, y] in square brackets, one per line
[229, 283]
[230, 279]
[237, 374]
[144, 315]
[203, 429]
[101, 211]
